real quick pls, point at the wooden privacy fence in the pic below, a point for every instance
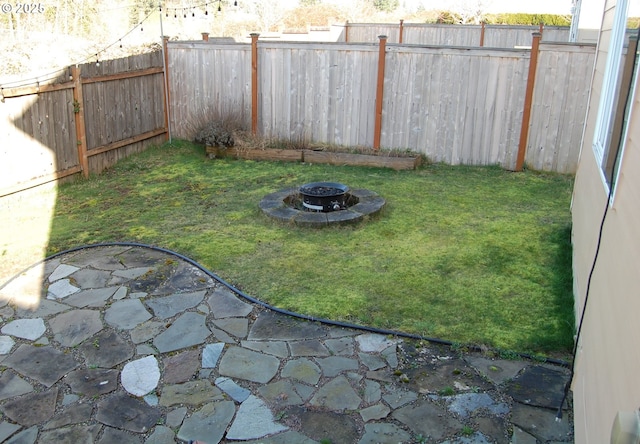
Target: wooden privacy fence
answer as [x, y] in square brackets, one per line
[452, 104]
[490, 36]
[84, 121]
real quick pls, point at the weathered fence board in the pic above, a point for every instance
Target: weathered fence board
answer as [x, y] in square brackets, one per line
[208, 79]
[559, 106]
[495, 36]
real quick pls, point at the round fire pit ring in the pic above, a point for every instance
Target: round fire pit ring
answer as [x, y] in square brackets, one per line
[347, 205]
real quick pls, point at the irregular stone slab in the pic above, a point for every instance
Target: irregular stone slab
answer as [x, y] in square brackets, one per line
[124, 412]
[372, 392]
[175, 417]
[106, 260]
[62, 271]
[383, 434]
[538, 386]
[6, 344]
[7, 429]
[97, 255]
[146, 331]
[44, 309]
[30, 329]
[44, 364]
[32, 409]
[74, 414]
[280, 393]
[211, 354]
[274, 326]
[334, 365]
[338, 395]
[396, 398]
[209, 423]
[111, 435]
[308, 348]
[106, 349]
[181, 367]
[275, 348]
[88, 278]
[340, 346]
[169, 306]
[92, 382]
[188, 330]
[61, 289]
[540, 423]
[302, 370]
[522, 437]
[237, 393]
[287, 437]
[132, 273]
[391, 356]
[161, 435]
[95, 297]
[246, 364]
[424, 418]
[184, 277]
[253, 420]
[377, 411]
[498, 371]
[468, 403]
[192, 393]
[374, 343]
[325, 426]
[372, 362]
[27, 436]
[141, 376]
[12, 385]
[237, 327]
[225, 304]
[73, 327]
[126, 314]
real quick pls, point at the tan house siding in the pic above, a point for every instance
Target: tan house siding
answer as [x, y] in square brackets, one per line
[608, 356]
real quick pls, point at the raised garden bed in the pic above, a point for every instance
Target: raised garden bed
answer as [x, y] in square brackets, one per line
[313, 156]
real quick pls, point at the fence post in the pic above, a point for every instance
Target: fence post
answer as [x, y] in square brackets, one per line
[401, 31]
[78, 110]
[379, 92]
[167, 102]
[205, 36]
[254, 83]
[528, 98]
[482, 35]
[346, 32]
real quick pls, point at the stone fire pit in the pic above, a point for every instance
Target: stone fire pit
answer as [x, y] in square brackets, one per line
[340, 206]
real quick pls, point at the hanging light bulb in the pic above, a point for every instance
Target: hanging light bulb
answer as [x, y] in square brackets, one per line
[121, 43]
[97, 60]
[219, 7]
[235, 3]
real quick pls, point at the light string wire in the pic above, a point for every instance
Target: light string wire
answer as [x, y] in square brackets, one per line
[54, 74]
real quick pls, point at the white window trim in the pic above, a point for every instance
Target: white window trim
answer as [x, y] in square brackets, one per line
[609, 86]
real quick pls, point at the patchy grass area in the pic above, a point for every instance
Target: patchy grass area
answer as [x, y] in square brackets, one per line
[467, 254]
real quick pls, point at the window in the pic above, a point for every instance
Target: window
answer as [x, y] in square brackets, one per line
[614, 97]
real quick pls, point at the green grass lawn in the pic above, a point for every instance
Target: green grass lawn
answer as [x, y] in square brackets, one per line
[467, 254]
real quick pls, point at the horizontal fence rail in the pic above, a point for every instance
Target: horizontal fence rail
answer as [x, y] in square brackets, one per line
[452, 104]
[83, 121]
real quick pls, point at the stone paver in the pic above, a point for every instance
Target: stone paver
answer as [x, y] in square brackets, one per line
[134, 345]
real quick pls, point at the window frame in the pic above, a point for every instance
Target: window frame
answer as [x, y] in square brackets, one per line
[610, 94]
